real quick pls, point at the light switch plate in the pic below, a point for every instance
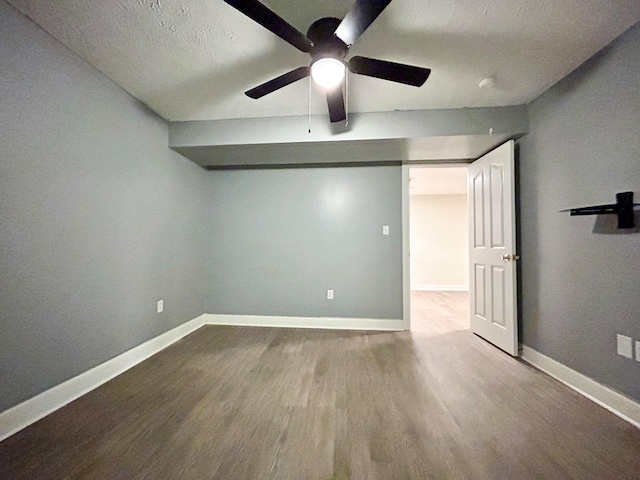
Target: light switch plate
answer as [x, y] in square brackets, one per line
[625, 346]
[638, 351]
[160, 306]
[385, 229]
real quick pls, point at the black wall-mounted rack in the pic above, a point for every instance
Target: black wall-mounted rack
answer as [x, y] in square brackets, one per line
[623, 208]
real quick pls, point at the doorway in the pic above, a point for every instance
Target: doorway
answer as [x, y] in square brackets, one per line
[439, 258]
[493, 295]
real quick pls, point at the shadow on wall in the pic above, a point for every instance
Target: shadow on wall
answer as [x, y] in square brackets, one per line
[608, 225]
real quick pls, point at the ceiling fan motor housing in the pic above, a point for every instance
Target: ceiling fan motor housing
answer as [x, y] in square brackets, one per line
[325, 43]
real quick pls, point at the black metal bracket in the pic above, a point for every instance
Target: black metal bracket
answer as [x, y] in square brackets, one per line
[623, 208]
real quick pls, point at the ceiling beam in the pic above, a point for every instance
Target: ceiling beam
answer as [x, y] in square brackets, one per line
[403, 136]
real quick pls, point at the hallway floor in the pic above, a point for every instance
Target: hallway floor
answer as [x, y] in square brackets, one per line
[434, 313]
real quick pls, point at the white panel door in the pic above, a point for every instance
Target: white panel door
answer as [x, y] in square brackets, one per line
[492, 245]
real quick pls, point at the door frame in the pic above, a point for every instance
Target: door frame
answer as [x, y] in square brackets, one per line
[406, 264]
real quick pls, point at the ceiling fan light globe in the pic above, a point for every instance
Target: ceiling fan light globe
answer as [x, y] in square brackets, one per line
[327, 72]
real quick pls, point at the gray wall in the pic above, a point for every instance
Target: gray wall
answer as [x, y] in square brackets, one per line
[98, 218]
[281, 238]
[581, 287]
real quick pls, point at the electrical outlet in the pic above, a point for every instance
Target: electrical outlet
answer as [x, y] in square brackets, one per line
[160, 306]
[625, 346]
[329, 294]
[638, 351]
[385, 229]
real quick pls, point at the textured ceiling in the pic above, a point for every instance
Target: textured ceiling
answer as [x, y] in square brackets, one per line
[193, 59]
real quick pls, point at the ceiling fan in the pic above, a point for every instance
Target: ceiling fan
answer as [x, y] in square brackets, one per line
[328, 41]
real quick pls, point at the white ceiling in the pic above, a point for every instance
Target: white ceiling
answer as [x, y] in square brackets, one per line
[193, 59]
[438, 181]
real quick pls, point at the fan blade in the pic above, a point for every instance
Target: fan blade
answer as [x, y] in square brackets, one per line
[272, 22]
[278, 82]
[358, 19]
[394, 72]
[335, 101]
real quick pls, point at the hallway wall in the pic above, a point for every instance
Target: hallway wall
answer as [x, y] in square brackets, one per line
[439, 242]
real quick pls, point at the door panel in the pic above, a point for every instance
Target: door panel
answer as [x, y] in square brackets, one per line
[478, 213]
[496, 210]
[479, 289]
[497, 290]
[492, 248]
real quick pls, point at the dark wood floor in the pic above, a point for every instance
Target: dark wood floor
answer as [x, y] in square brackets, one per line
[257, 403]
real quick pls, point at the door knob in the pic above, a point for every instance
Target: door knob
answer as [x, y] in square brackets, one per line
[508, 258]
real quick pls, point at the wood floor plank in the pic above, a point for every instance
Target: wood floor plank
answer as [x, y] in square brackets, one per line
[271, 403]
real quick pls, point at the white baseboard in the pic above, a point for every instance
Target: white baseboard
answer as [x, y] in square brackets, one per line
[32, 410]
[335, 323]
[432, 287]
[617, 403]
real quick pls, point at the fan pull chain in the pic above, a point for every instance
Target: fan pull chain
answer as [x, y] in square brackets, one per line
[346, 99]
[309, 104]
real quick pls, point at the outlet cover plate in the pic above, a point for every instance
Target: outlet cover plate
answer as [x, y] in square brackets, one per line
[329, 294]
[638, 351]
[160, 306]
[625, 346]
